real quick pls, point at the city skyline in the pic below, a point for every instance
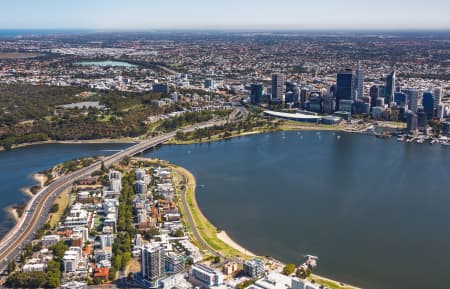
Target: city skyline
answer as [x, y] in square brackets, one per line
[201, 14]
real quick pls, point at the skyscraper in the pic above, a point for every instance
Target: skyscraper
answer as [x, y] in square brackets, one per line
[437, 93]
[278, 86]
[256, 93]
[152, 262]
[411, 121]
[413, 99]
[428, 104]
[373, 93]
[359, 82]
[390, 87]
[345, 83]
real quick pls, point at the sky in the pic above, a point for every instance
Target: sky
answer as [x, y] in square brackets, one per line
[224, 14]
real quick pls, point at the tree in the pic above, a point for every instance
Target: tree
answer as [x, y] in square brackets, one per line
[112, 273]
[11, 266]
[179, 233]
[303, 272]
[126, 257]
[289, 269]
[59, 249]
[54, 208]
[97, 281]
[27, 280]
[54, 274]
[102, 167]
[125, 161]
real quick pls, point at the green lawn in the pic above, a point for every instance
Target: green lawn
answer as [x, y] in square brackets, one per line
[205, 228]
[328, 283]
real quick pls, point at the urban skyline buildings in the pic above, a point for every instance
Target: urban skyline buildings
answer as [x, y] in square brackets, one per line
[359, 82]
[390, 87]
[345, 86]
[278, 84]
[152, 262]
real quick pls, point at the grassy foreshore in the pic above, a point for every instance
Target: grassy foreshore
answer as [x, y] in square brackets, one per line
[187, 185]
[63, 201]
[219, 240]
[285, 126]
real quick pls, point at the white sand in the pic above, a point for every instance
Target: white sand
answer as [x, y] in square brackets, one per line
[223, 236]
[13, 213]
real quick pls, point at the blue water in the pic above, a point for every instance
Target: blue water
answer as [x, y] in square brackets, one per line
[106, 63]
[375, 211]
[12, 33]
[17, 166]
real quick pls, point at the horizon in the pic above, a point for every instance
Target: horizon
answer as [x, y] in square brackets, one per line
[263, 15]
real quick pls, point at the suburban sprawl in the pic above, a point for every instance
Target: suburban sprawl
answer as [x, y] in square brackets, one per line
[134, 222]
[128, 225]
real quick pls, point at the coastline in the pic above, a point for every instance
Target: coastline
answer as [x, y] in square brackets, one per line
[287, 126]
[226, 239]
[219, 240]
[284, 127]
[40, 179]
[12, 212]
[207, 232]
[90, 141]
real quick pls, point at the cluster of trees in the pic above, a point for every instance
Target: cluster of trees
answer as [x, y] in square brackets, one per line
[31, 113]
[27, 280]
[245, 284]
[11, 140]
[126, 231]
[289, 269]
[301, 272]
[54, 208]
[226, 129]
[186, 119]
[73, 165]
[20, 102]
[49, 279]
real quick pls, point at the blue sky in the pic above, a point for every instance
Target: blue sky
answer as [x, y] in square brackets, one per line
[222, 14]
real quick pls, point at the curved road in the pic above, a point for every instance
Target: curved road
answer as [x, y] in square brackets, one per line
[190, 218]
[37, 210]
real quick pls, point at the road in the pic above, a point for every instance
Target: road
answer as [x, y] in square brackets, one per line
[190, 218]
[37, 210]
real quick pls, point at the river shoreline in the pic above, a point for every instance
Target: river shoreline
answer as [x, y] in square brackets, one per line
[225, 238]
[286, 127]
[93, 141]
[40, 180]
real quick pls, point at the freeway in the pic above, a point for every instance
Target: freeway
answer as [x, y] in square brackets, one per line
[37, 210]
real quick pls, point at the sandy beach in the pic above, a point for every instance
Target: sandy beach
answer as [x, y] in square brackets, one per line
[40, 178]
[27, 192]
[223, 236]
[13, 213]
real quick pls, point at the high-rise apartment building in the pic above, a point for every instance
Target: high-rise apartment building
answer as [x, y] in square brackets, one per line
[278, 86]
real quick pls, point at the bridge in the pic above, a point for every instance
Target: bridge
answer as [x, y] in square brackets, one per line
[37, 210]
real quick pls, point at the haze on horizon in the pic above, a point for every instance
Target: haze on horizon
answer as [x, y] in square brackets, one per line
[225, 14]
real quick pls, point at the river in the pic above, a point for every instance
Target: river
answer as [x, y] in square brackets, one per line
[375, 211]
[18, 165]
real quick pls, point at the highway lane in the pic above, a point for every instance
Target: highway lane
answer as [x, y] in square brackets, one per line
[37, 209]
